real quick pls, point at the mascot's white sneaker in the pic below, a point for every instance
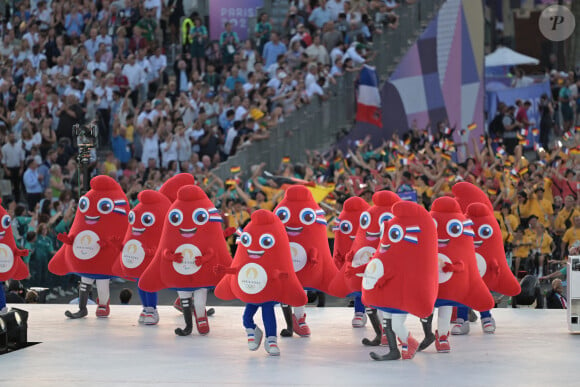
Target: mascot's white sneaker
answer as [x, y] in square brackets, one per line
[271, 346]
[461, 327]
[151, 317]
[254, 338]
[359, 320]
[488, 325]
[142, 317]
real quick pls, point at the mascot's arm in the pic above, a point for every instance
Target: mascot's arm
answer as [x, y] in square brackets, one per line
[66, 239]
[202, 259]
[313, 255]
[354, 271]
[169, 255]
[20, 252]
[281, 275]
[456, 267]
[221, 269]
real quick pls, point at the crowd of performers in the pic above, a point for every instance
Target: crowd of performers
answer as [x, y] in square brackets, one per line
[393, 256]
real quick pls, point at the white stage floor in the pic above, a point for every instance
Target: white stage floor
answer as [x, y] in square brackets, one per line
[530, 347]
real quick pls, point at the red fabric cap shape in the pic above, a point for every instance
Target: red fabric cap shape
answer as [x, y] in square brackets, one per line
[172, 185]
[344, 235]
[11, 265]
[262, 269]
[403, 273]
[467, 193]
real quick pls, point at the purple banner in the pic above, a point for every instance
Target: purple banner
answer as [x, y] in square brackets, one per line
[236, 12]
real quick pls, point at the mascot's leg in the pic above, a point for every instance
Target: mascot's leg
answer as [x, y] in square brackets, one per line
[3, 308]
[428, 331]
[487, 322]
[375, 318]
[199, 301]
[269, 318]
[287, 310]
[144, 301]
[151, 314]
[461, 326]
[408, 343]
[360, 318]
[185, 298]
[103, 300]
[84, 289]
[394, 353]
[177, 306]
[254, 333]
[299, 322]
[442, 332]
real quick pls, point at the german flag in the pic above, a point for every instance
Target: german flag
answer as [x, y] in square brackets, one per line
[524, 141]
[234, 170]
[445, 156]
[575, 151]
[536, 132]
[337, 159]
[472, 126]
[390, 169]
[383, 152]
[523, 171]
[482, 139]
[407, 140]
[577, 129]
[285, 160]
[491, 192]
[231, 183]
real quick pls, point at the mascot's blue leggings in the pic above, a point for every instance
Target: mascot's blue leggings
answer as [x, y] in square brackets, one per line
[358, 305]
[148, 299]
[463, 312]
[268, 317]
[2, 296]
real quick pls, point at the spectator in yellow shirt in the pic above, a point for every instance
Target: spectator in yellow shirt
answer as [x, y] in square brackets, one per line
[571, 236]
[565, 216]
[542, 247]
[507, 222]
[521, 248]
[524, 208]
[546, 209]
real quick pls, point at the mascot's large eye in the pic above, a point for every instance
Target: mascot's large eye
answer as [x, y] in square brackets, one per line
[307, 216]
[105, 206]
[6, 221]
[365, 220]
[84, 204]
[267, 241]
[147, 219]
[175, 217]
[385, 217]
[436, 224]
[131, 217]
[454, 228]
[200, 216]
[345, 227]
[246, 239]
[283, 213]
[395, 233]
[485, 231]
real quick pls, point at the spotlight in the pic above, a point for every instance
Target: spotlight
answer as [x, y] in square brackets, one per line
[13, 330]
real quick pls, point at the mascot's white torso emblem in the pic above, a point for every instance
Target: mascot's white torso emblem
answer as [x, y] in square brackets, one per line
[85, 245]
[133, 254]
[189, 253]
[6, 258]
[252, 278]
[299, 257]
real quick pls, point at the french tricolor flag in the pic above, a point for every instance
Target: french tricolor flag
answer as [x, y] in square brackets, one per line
[369, 99]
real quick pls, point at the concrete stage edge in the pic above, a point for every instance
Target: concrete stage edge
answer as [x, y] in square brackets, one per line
[530, 347]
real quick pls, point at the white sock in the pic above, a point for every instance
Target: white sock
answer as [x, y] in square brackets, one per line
[103, 291]
[541, 272]
[184, 293]
[299, 312]
[199, 301]
[85, 280]
[444, 319]
[399, 326]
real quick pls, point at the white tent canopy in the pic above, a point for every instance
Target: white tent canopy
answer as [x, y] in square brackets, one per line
[504, 56]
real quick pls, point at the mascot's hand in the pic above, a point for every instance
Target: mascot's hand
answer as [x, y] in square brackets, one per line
[282, 275]
[21, 252]
[173, 257]
[494, 267]
[351, 272]
[349, 256]
[204, 258]
[103, 243]
[221, 269]
[313, 255]
[229, 231]
[453, 267]
[150, 251]
[117, 242]
[381, 282]
[64, 238]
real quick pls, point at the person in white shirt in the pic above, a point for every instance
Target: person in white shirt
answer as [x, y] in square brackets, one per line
[92, 44]
[316, 89]
[183, 144]
[134, 74]
[96, 63]
[194, 134]
[317, 51]
[60, 68]
[146, 74]
[311, 75]
[354, 52]
[156, 5]
[335, 7]
[150, 147]
[158, 64]
[105, 39]
[169, 150]
[13, 163]
[242, 110]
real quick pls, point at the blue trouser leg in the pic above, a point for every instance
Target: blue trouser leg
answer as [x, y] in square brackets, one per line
[485, 314]
[269, 318]
[152, 299]
[249, 313]
[463, 312]
[358, 305]
[144, 297]
[2, 296]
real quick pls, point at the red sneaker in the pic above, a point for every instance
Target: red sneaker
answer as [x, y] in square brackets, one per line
[442, 342]
[300, 326]
[103, 310]
[409, 348]
[201, 323]
[177, 304]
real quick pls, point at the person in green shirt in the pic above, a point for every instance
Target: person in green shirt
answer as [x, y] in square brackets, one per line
[43, 252]
[148, 25]
[262, 32]
[198, 37]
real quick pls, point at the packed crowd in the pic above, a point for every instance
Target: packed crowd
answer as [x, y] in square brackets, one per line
[69, 62]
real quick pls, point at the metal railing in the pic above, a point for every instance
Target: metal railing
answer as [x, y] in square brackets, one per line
[318, 124]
